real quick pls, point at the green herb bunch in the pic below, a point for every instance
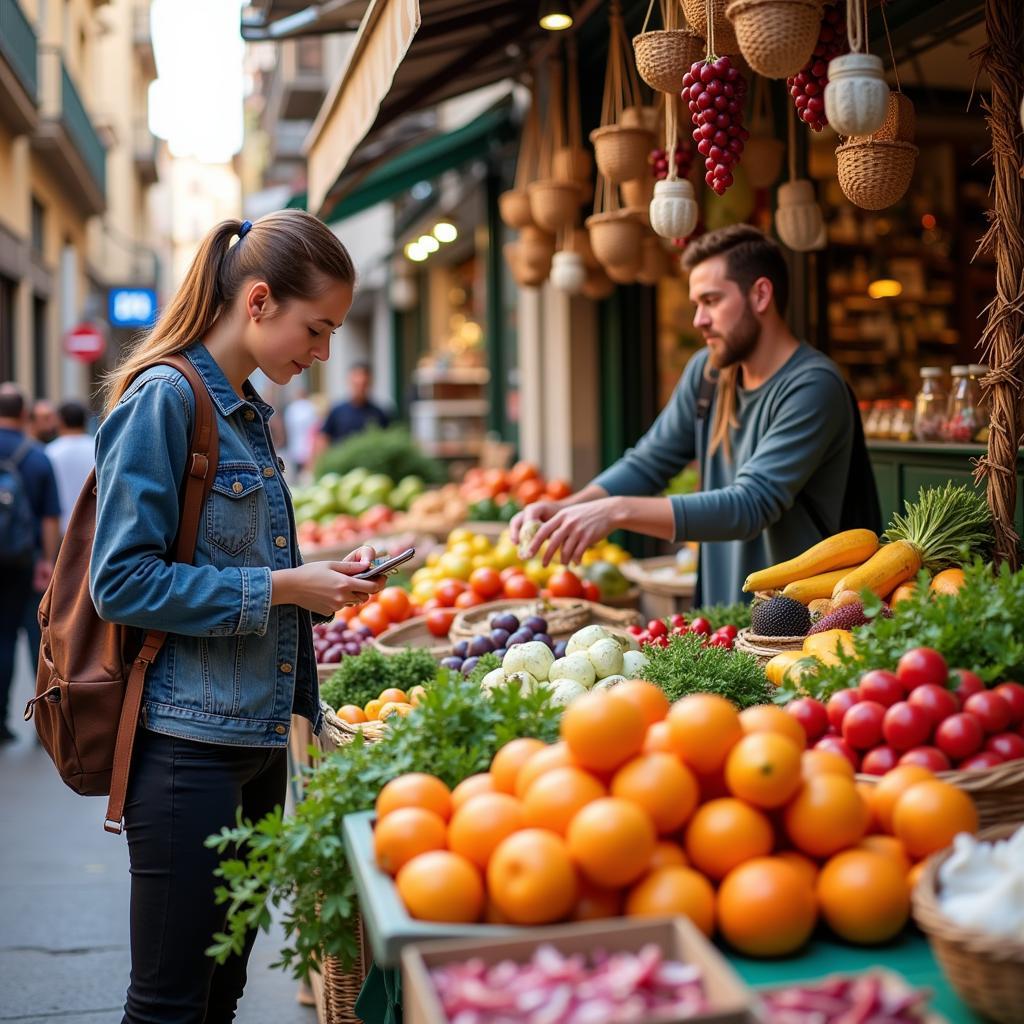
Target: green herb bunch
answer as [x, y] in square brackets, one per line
[361, 677]
[390, 451]
[687, 666]
[948, 526]
[298, 863]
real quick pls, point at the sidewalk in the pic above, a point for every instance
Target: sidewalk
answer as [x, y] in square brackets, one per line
[64, 898]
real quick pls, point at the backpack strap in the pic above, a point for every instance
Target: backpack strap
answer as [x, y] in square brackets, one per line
[200, 469]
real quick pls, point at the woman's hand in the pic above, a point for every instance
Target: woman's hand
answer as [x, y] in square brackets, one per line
[324, 587]
[537, 512]
[575, 528]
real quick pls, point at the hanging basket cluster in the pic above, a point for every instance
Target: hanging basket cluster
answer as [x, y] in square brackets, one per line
[776, 37]
[663, 57]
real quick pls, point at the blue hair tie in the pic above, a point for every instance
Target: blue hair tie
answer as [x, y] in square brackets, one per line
[244, 229]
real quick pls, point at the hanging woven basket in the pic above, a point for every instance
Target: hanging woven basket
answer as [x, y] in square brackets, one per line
[664, 56]
[553, 204]
[900, 120]
[536, 248]
[598, 285]
[621, 152]
[579, 241]
[641, 117]
[637, 192]
[776, 37]
[725, 36]
[673, 211]
[856, 96]
[625, 273]
[514, 208]
[654, 263]
[874, 175]
[572, 163]
[615, 238]
[762, 160]
[522, 275]
[568, 273]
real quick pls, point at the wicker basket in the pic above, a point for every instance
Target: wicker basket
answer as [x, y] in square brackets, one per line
[725, 36]
[411, 633]
[340, 987]
[622, 152]
[514, 208]
[654, 262]
[764, 648]
[874, 175]
[338, 733]
[524, 276]
[536, 248]
[598, 285]
[615, 238]
[987, 971]
[777, 37]
[663, 57]
[900, 120]
[998, 792]
[623, 273]
[564, 616]
[553, 203]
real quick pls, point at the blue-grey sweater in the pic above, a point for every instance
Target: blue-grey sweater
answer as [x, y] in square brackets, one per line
[788, 471]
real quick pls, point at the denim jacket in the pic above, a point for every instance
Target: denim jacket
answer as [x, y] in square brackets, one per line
[233, 668]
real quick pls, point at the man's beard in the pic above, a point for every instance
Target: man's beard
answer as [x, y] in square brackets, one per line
[739, 343]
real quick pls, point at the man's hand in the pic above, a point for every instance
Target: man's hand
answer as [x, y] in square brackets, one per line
[575, 528]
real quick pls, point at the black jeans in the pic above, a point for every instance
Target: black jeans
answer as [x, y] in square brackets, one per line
[15, 603]
[180, 792]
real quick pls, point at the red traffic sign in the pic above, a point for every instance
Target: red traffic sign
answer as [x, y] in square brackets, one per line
[85, 342]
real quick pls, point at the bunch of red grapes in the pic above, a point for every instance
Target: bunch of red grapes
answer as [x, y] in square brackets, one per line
[658, 160]
[807, 87]
[714, 93]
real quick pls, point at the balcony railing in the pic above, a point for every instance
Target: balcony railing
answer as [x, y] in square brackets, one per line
[18, 44]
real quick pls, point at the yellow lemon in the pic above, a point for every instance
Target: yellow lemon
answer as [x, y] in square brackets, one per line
[433, 558]
[459, 535]
[455, 565]
[481, 545]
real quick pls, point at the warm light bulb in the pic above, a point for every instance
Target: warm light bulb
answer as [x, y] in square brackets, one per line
[428, 243]
[556, 22]
[445, 232]
[884, 288]
[416, 252]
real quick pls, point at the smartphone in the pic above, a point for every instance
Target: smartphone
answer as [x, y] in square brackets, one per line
[385, 566]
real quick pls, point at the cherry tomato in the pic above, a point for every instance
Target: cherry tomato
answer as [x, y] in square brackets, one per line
[959, 736]
[700, 625]
[728, 630]
[1013, 694]
[922, 665]
[636, 630]
[448, 590]
[591, 591]
[1008, 745]
[469, 599]
[839, 703]
[882, 687]
[927, 757]
[519, 588]
[657, 627]
[811, 714]
[935, 701]
[678, 621]
[906, 726]
[660, 641]
[719, 640]
[837, 745]
[565, 583]
[991, 710]
[486, 582]
[862, 725]
[965, 683]
[879, 761]
[980, 762]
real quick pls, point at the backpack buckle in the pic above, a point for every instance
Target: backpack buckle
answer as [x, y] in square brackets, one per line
[200, 466]
[114, 827]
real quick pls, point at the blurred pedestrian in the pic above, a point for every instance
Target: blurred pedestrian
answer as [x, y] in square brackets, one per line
[43, 423]
[29, 531]
[356, 413]
[300, 421]
[72, 455]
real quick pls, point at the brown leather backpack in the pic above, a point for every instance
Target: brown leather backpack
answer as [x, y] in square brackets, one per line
[91, 672]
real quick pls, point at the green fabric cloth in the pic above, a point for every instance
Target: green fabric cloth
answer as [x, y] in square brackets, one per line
[380, 1001]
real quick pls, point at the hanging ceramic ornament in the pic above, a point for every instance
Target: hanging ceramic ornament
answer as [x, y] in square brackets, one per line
[798, 220]
[673, 210]
[856, 94]
[568, 273]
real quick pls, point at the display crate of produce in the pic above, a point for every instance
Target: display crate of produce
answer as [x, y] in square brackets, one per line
[665, 586]
[564, 615]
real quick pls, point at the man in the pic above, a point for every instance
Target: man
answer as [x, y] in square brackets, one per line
[43, 423]
[72, 456]
[354, 415]
[26, 567]
[774, 444]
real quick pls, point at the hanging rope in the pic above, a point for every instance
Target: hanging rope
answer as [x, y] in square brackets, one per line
[575, 139]
[791, 131]
[526, 165]
[710, 13]
[888, 39]
[856, 25]
[671, 133]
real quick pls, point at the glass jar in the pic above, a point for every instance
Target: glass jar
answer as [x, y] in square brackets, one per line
[901, 427]
[883, 425]
[930, 405]
[963, 417]
[976, 371]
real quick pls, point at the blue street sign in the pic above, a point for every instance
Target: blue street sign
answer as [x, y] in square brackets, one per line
[131, 307]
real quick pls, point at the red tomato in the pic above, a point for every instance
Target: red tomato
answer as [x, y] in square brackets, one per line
[513, 570]
[879, 761]
[469, 599]
[720, 640]
[591, 591]
[991, 710]
[935, 701]
[529, 491]
[921, 665]
[556, 490]
[486, 582]
[965, 683]
[374, 616]
[678, 621]
[657, 627]
[882, 687]
[448, 590]
[839, 703]
[1013, 694]
[431, 604]
[980, 762]
[519, 588]
[811, 714]
[728, 630]
[906, 726]
[636, 630]
[700, 625]
[395, 601]
[959, 736]
[1008, 745]
[862, 725]
[927, 757]
[837, 745]
[565, 583]
[439, 621]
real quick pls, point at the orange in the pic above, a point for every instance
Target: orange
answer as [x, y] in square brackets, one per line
[764, 768]
[815, 762]
[724, 833]
[531, 877]
[372, 709]
[351, 713]
[611, 840]
[807, 867]
[555, 756]
[904, 592]
[554, 799]
[595, 903]
[661, 786]
[415, 789]
[867, 794]
[949, 581]
[891, 787]
[704, 728]
[658, 738]
[667, 855]
[404, 834]
[864, 896]
[769, 718]
[481, 823]
[650, 699]
[915, 873]
[674, 890]
[929, 814]
[603, 730]
[826, 816]
[441, 886]
[471, 786]
[888, 846]
[393, 695]
[393, 708]
[416, 695]
[507, 762]
[766, 908]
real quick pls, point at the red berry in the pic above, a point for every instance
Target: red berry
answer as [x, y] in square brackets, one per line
[657, 627]
[700, 625]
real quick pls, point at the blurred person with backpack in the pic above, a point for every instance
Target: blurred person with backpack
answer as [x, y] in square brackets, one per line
[29, 534]
[72, 454]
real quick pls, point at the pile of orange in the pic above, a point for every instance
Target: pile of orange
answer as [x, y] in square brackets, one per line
[523, 483]
[647, 809]
[392, 701]
[382, 610]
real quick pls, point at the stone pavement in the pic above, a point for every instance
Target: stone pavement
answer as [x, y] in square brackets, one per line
[64, 902]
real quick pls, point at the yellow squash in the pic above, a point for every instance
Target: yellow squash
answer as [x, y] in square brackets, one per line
[786, 668]
[814, 588]
[825, 646]
[849, 548]
[891, 565]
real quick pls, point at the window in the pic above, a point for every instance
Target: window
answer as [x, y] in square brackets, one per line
[7, 292]
[38, 228]
[40, 351]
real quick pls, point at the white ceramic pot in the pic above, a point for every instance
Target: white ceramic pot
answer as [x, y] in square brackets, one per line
[673, 210]
[798, 220]
[856, 95]
[568, 272]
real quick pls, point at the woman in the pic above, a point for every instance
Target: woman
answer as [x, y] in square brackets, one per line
[238, 660]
